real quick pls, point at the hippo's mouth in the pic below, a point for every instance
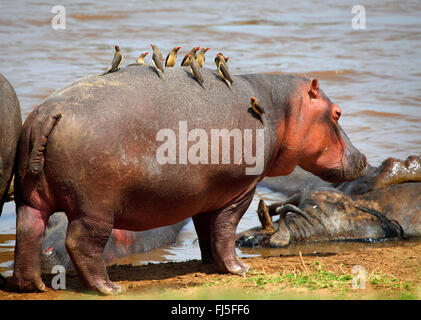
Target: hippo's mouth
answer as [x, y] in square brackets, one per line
[349, 170]
[358, 167]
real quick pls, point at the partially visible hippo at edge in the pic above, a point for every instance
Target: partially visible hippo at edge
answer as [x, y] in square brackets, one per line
[10, 127]
[100, 165]
[120, 244]
[383, 203]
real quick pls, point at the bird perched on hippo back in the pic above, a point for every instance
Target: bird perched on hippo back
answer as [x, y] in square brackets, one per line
[222, 66]
[223, 57]
[172, 57]
[157, 60]
[117, 60]
[257, 109]
[186, 60]
[200, 56]
[195, 70]
[140, 61]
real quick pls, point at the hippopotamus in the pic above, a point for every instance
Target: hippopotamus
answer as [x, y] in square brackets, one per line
[384, 203]
[114, 151]
[11, 124]
[120, 244]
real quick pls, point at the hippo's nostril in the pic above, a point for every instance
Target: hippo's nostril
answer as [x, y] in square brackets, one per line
[336, 112]
[363, 162]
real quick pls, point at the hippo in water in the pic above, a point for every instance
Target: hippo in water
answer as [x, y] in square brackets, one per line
[383, 203]
[111, 152]
[120, 244]
[10, 127]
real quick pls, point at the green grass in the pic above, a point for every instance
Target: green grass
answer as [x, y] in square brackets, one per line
[315, 283]
[335, 285]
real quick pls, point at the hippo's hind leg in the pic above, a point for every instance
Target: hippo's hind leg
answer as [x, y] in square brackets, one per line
[30, 227]
[85, 242]
[216, 232]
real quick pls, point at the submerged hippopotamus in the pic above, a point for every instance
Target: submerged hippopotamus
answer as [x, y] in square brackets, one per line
[111, 152]
[10, 127]
[383, 203]
[120, 244]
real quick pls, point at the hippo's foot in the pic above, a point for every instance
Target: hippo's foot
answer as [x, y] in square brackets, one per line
[216, 233]
[234, 266]
[25, 285]
[108, 288]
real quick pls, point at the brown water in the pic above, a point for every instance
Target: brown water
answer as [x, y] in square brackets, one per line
[373, 74]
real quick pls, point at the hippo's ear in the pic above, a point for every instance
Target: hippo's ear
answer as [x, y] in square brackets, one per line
[314, 89]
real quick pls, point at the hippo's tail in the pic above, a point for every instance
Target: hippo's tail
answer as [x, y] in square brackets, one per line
[39, 137]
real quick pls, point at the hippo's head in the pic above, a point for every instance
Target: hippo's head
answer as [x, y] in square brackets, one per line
[313, 137]
[328, 151]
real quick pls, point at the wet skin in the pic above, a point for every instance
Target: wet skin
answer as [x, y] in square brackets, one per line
[10, 127]
[383, 203]
[100, 165]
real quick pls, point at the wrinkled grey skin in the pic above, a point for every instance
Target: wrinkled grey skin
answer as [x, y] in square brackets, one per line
[10, 127]
[383, 203]
[54, 247]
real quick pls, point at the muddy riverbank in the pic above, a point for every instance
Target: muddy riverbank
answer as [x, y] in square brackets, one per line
[390, 273]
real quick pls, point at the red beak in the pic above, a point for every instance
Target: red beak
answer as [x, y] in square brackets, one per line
[146, 53]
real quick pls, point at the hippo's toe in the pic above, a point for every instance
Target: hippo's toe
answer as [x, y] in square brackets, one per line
[109, 288]
[24, 285]
[236, 267]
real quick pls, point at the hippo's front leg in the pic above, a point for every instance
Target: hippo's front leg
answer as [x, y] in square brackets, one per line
[85, 242]
[216, 232]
